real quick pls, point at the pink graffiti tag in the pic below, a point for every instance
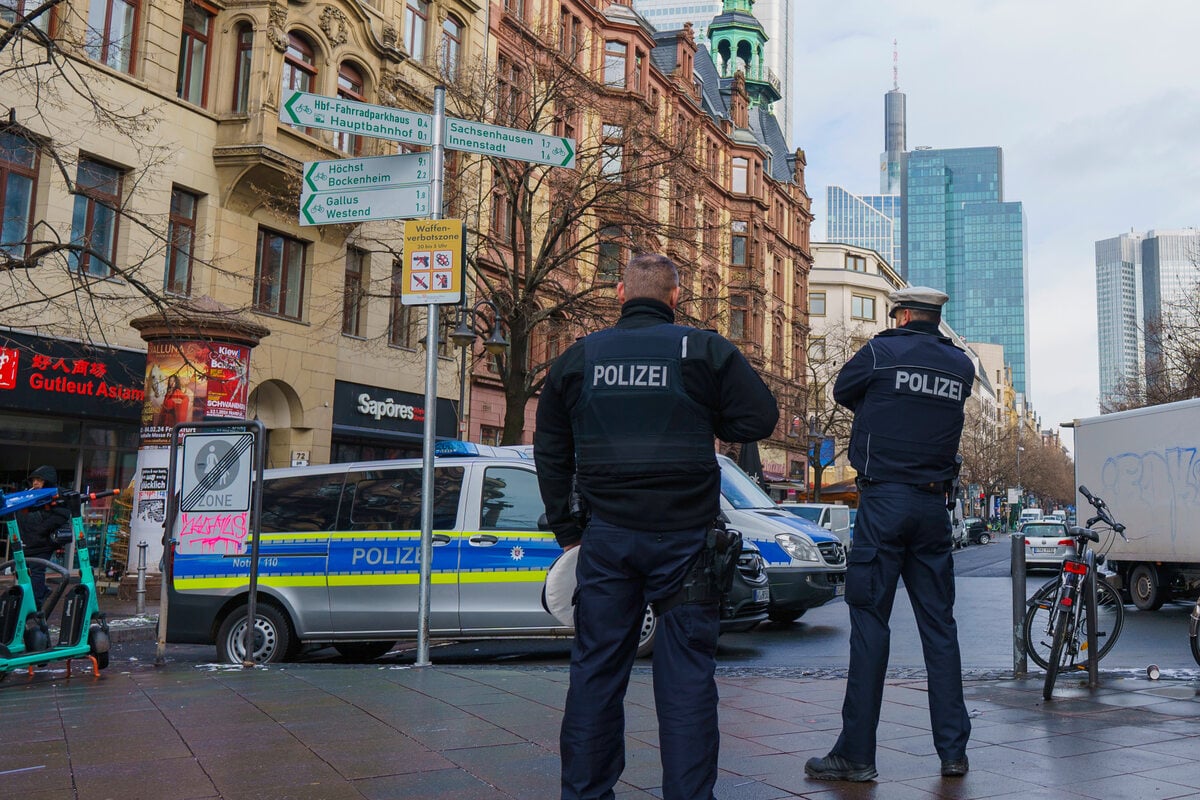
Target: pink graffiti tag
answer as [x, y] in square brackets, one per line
[213, 533]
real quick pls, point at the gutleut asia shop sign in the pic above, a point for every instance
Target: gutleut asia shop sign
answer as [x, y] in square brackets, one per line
[61, 377]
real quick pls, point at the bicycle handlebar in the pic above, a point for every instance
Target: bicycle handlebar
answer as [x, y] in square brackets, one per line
[1102, 513]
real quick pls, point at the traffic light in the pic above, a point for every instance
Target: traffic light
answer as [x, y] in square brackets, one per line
[982, 498]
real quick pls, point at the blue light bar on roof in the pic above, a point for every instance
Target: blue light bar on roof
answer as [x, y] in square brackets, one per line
[455, 447]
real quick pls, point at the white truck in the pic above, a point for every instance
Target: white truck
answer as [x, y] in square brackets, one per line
[1145, 464]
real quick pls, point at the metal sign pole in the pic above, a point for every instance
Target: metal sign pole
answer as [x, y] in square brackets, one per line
[437, 151]
[1091, 606]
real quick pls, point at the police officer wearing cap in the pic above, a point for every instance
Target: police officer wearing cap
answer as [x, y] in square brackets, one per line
[629, 413]
[907, 388]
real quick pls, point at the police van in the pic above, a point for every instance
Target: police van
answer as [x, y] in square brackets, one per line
[339, 558]
[806, 564]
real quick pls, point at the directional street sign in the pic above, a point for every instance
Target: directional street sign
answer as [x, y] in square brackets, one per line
[400, 202]
[377, 172]
[384, 122]
[491, 140]
[350, 116]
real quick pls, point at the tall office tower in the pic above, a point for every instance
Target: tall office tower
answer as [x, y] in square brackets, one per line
[894, 135]
[960, 236]
[1119, 311]
[775, 16]
[865, 221]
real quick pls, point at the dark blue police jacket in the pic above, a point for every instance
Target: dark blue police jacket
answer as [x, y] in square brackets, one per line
[906, 387]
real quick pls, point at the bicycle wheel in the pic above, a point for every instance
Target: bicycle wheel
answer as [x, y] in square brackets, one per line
[1195, 647]
[1057, 647]
[1110, 617]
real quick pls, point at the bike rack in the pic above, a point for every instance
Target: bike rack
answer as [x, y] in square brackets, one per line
[1091, 601]
[1020, 657]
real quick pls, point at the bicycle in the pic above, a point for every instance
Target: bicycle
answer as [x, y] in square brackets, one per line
[1055, 630]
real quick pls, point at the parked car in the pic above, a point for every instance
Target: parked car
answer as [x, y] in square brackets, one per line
[1047, 543]
[340, 554]
[977, 530]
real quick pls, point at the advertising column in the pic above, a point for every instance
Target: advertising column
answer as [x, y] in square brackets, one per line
[197, 368]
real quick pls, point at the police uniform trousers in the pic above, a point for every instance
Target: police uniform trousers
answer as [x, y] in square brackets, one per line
[620, 570]
[901, 531]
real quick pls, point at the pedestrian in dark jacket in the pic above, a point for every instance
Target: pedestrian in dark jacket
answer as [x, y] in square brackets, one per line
[37, 528]
[630, 414]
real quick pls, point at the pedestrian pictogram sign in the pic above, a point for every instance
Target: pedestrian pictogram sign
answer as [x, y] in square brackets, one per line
[216, 472]
[433, 259]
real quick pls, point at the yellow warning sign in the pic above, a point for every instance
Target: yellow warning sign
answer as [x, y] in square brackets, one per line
[434, 251]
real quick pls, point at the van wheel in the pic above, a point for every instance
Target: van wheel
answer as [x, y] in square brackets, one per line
[1145, 589]
[646, 633]
[272, 636]
[363, 651]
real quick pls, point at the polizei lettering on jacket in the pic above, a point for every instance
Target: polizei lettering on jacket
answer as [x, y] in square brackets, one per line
[926, 383]
[630, 375]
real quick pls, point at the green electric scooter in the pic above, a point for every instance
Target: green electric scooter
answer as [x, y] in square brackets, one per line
[24, 632]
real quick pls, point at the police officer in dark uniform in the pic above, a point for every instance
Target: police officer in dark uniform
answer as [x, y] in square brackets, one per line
[629, 413]
[907, 388]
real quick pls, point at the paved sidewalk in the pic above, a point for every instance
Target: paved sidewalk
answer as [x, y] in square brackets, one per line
[330, 732]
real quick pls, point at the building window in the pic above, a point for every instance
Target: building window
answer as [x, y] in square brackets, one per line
[816, 304]
[416, 16]
[452, 33]
[816, 349]
[241, 67]
[192, 80]
[856, 263]
[111, 33]
[403, 320]
[516, 8]
[94, 221]
[862, 307]
[608, 260]
[741, 172]
[181, 242]
[490, 435]
[299, 68]
[508, 89]
[18, 187]
[639, 59]
[279, 275]
[354, 292]
[738, 244]
[12, 10]
[614, 64]
[501, 213]
[737, 316]
[350, 87]
[612, 152]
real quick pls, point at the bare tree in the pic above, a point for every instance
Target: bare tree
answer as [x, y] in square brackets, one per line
[1172, 361]
[63, 279]
[823, 418]
[547, 243]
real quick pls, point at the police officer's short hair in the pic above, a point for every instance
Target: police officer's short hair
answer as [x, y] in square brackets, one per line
[650, 275]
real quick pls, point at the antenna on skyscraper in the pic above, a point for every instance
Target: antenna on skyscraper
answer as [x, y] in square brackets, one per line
[895, 66]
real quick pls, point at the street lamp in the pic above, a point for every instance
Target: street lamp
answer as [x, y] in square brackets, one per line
[463, 336]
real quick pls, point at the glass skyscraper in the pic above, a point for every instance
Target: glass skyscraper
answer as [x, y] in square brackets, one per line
[959, 235]
[1119, 311]
[865, 221]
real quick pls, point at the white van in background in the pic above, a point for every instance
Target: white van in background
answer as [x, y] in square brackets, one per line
[833, 517]
[1030, 514]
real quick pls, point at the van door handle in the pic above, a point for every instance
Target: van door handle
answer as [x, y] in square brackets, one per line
[483, 540]
[440, 539]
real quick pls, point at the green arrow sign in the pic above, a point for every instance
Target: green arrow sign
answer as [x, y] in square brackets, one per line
[376, 172]
[350, 116]
[402, 202]
[385, 122]
[492, 140]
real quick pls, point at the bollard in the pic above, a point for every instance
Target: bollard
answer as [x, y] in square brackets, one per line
[141, 580]
[1017, 571]
[1092, 610]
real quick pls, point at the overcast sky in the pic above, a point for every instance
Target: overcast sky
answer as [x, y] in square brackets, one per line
[1096, 105]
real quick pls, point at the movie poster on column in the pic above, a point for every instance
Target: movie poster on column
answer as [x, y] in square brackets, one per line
[192, 381]
[228, 382]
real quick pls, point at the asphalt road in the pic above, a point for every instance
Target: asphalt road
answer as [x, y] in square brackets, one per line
[819, 639]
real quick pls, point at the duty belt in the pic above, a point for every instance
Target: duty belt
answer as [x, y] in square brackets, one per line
[929, 487]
